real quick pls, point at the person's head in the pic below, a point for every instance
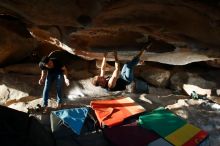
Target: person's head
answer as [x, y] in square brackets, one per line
[99, 81]
[46, 62]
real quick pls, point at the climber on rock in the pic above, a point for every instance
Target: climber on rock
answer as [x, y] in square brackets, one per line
[117, 81]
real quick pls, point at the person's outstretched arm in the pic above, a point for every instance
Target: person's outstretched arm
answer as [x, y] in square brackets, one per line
[65, 75]
[115, 74]
[103, 65]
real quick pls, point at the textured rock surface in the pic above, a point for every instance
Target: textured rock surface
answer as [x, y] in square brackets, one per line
[180, 31]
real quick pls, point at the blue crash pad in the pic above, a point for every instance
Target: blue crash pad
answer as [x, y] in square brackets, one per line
[73, 118]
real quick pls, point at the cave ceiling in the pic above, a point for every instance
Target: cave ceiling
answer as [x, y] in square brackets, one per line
[175, 32]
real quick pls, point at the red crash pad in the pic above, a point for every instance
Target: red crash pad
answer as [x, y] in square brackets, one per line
[130, 135]
[113, 112]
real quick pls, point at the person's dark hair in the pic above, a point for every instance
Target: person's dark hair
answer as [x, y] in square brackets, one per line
[95, 81]
[43, 62]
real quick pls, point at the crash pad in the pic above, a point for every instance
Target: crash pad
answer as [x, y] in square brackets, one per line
[161, 121]
[188, 135]
[172, 128]
[130, 135]
[72, 118]
[115, 111]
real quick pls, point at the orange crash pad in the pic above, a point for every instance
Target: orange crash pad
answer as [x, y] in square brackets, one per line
[113, 112]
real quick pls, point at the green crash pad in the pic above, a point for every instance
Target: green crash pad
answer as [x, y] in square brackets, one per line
[162, 121]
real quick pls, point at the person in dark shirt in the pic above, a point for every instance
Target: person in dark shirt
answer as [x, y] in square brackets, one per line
[118, 81]
[52, 69]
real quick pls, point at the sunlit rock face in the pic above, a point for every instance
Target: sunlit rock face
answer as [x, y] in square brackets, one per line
[178, 31]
